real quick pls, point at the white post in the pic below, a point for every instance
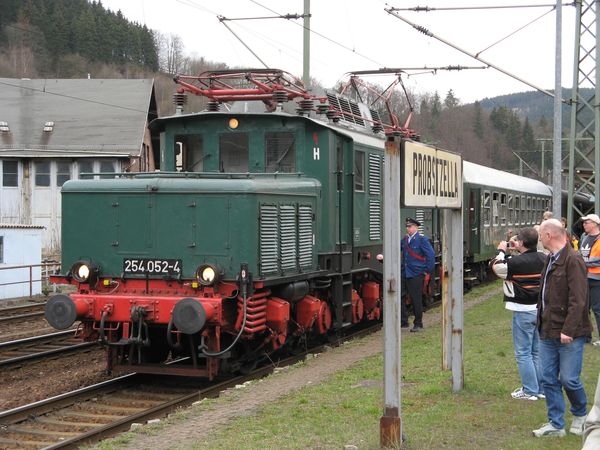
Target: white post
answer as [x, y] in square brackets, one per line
[390, 425]
[455, 259]
[446, 290]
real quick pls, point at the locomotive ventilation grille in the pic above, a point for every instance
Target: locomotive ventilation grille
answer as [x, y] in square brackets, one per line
[375, 197]
[286, 238]
[349, 109]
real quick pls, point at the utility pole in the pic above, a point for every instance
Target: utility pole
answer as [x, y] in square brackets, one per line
[557, 160]
[584, 159]
[306, 53]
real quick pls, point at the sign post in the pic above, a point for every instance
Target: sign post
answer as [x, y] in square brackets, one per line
[390, 426]
[417, 175]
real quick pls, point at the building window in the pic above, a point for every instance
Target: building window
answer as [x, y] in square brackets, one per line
[42, 173]
[85, 167]
[10, 173]
[280, 152]
[107, 167]
[63, 173]
[359, 171]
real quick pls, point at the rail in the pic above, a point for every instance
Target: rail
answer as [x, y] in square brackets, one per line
[46, 269]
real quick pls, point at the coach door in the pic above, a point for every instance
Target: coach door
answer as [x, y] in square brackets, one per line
[473, 222]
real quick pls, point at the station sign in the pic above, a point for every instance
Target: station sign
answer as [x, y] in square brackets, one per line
[432, 177]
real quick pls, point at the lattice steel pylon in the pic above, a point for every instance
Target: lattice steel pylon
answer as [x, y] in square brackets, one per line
[584, 135]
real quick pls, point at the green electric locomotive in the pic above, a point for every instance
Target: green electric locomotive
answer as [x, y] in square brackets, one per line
[260, 231]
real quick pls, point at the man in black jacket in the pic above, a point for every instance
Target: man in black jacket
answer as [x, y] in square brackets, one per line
[521, 275]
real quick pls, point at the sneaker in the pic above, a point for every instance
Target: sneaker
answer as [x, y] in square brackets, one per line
[520, 394]
[596, 343]
[577, 425]
[541, 396]
[416, 329]
[548, 430]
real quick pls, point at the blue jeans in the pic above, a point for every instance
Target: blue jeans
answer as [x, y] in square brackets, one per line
[561, 367]
[526, 341]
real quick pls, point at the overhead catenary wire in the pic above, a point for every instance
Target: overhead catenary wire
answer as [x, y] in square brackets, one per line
[425, 31]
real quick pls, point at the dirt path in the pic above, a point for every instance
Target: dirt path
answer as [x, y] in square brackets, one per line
[187, 432]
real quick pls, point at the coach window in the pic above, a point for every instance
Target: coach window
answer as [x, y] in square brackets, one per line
[233, 153]
[359, 171]
[511, 209]
[189, 153]
[63, 172]
[495, 208]
[10, 174]
[523, 210]
[517, 209]
[486, 208]
[42, 173]
[503, 209]
[280, 152]
[528, 216]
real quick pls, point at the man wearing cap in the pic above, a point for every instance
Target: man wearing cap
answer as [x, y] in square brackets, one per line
[522, 274]
[590, 250]
[418, 259]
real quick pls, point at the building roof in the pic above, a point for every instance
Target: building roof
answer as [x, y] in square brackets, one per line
[91, 117]
[19, 225]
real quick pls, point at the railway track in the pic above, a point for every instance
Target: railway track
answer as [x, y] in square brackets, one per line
[39, 347]
[21, 313]
[99, 411]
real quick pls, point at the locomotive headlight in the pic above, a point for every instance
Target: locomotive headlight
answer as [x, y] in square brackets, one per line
[84, 272]
[233, 123]
[207, 274]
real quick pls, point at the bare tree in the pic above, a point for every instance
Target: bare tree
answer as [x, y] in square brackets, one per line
[171, 58]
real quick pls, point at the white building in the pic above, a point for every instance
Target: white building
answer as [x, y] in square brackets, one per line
[54, 130]
[20, 245]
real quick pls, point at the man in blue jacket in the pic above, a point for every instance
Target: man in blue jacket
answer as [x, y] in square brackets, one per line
[418, 259]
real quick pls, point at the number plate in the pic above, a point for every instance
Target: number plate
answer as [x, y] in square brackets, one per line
[152, 266]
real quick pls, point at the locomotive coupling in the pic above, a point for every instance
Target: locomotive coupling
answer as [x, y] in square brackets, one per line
[61, 311]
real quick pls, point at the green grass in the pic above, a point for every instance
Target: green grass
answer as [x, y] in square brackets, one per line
[347, 408]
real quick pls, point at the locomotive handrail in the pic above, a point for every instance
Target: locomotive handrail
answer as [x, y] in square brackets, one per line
[44, 274]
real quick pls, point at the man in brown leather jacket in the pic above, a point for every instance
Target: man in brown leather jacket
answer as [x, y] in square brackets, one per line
[564, 325]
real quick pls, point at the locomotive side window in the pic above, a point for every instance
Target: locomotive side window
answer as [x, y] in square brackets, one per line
[359, 171]
[280, 152]
[495, 208]
[42, 173]
[10, 172]
[486, 208]
[233, 153]
[511, 209]
[503, 209]
[189, 150]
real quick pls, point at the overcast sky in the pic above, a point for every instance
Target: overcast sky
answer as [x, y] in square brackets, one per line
[353, 35]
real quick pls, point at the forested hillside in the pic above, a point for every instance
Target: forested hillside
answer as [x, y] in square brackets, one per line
[80, 39]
